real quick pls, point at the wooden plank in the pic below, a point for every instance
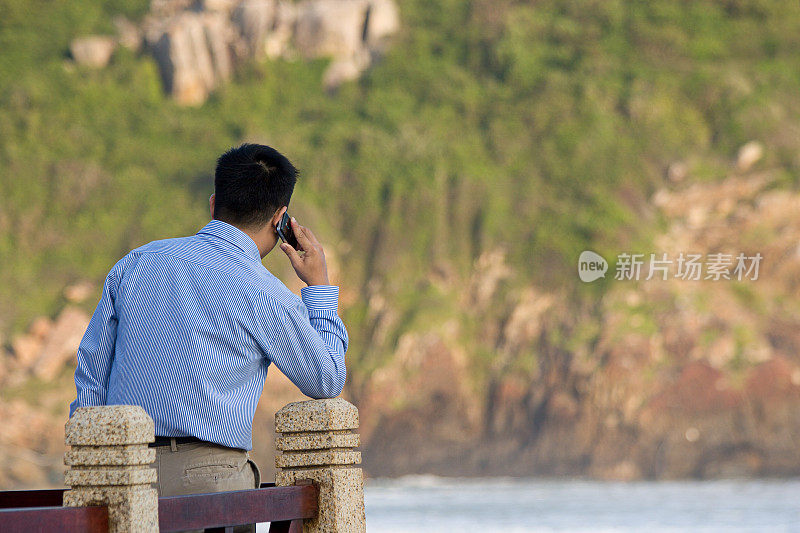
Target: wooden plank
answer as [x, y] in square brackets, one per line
[62, 519]
[222, 509]
[44, 497]
[31, 498]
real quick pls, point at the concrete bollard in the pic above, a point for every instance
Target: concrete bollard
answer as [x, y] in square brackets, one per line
[316, 442]
[109, 464]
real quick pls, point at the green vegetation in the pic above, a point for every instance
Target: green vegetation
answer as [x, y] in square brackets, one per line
[540, 127]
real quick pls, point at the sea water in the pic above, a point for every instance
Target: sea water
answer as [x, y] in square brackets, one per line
[433, 504]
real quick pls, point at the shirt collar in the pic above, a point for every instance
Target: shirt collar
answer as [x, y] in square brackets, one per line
[233, 235]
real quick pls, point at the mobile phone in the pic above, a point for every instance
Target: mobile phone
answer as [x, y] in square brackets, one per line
[284, 229]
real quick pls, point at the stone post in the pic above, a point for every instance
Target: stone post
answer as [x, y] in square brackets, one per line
[316, 442]
[109, 464]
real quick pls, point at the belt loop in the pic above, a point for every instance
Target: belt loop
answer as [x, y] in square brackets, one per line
[172, 444]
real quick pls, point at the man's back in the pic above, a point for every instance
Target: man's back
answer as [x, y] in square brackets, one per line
[187, 327]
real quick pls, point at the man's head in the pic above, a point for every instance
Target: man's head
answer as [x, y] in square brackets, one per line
[251, 184]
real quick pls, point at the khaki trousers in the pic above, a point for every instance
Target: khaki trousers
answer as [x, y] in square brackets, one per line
[201, 467]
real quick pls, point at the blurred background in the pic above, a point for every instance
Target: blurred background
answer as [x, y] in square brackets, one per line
[456, 158]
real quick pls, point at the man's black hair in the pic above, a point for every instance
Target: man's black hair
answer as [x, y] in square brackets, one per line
[251, 182]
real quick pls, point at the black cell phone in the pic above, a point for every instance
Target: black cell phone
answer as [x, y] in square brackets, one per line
[284, 229]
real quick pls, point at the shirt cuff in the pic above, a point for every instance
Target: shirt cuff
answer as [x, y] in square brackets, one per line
[321, 297]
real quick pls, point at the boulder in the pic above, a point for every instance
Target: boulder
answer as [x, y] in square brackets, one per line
[383, 20]
[749, 155]
[193, 54]
[254, 20]
[345, 69]
[93, 51]
[219, 36]
[677, 171]
[61, 345]
[264, 27]
[218, 5]
[78, 292]
[330, 28]
[26, 350]
[128, 34]
[166, 8]
[277, 40]
[41, 327]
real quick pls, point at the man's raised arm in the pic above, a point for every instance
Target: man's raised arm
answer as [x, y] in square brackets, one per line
[311, 341]
[307, 342]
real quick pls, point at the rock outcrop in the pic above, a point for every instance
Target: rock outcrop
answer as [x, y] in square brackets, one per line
[198, 44]
[93, 50]
[193, 52]
[48, 345]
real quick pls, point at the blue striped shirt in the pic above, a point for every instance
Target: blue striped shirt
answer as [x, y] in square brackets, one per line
[187, 327]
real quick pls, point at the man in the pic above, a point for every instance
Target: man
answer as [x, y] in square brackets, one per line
[187, 327]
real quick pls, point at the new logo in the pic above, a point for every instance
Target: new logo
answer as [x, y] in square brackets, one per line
[591, 266]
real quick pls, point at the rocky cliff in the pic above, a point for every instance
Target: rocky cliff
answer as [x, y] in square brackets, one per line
[656, 379]
[198, 44]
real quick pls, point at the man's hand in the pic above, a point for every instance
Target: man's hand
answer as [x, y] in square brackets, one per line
[310, 267]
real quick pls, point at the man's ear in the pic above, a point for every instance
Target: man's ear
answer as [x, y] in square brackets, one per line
[211, 204]
[277, 216]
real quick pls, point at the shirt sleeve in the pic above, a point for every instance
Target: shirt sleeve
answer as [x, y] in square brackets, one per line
[96, 350]
[307, 342]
